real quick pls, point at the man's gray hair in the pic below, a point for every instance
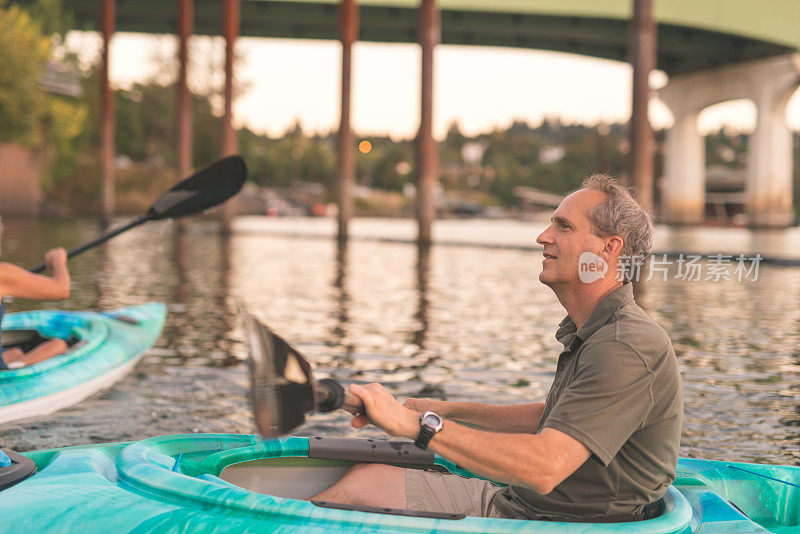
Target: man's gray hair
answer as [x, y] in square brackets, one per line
[619, 214]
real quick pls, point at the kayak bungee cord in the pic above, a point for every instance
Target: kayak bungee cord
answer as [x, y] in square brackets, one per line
[765, 476]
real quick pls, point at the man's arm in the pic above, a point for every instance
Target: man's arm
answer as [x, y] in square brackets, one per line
[537, 461]
[517, 418]
[17, 282]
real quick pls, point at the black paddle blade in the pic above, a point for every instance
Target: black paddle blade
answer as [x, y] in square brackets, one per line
[203, 190]
[282, 387]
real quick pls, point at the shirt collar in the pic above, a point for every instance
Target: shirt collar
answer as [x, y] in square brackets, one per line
[567, 331]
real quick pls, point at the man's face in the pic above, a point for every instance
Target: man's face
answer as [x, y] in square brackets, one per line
[568, 236]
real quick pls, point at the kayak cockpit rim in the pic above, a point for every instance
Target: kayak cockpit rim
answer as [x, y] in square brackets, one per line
[214, 469]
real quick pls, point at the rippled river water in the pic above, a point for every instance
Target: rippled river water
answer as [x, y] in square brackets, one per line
[460, 321]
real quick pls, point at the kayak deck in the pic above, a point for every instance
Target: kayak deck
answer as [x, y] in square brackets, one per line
[222, 482]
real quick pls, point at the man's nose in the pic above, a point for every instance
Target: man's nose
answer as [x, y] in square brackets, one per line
[544, 237]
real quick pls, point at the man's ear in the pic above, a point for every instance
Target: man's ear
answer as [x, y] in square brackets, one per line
[612, 247]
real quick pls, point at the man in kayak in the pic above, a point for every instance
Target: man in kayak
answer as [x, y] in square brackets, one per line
[604, 444]
[17, 282]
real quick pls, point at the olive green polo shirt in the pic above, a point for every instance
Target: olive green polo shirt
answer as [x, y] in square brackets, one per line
[618, 391]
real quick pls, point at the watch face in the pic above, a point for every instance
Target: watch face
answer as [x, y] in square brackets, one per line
[432, 420]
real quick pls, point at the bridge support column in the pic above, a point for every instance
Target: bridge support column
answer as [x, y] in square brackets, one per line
[185, 10]
[769, 83]
[230, 31]
[107, 148]
[769, 161]
[684, 194]
[427, 150]
[642, 52]
[345, 157]
[183, 101]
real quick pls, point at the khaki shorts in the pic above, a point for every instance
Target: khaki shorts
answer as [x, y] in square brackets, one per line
[432, 491]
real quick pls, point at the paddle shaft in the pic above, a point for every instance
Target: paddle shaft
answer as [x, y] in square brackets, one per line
[99, 240]
[204, 189]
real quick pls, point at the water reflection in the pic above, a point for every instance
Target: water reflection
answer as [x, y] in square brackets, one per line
[792, 419]
[223, 341]
[423, 275]
[100, 280]
[201, 303]
[180, 256]
[342, 298]
[181, 290]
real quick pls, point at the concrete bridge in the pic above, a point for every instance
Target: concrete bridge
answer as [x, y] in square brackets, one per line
[712, 51]
[768, 83]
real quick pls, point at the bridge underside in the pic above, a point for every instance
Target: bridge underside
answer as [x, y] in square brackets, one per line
[680, 49]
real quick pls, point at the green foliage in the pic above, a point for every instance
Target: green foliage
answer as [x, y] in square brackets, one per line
[28, 115]
[52, 19]
[145, 132]
[23, 105]
[65, 124]
[293, 158]
[389, 164]
[296, 157]
[511, 158]
[514, 157]
[146, 125]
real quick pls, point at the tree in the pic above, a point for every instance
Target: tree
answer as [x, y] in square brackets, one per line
[23, 105]
[28, 114]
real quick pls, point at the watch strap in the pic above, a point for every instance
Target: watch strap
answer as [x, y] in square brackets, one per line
[424, 437]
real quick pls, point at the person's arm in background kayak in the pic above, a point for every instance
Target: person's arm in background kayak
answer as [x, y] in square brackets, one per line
[521, 418]
[17, 282]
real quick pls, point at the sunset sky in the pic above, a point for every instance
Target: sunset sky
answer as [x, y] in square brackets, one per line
[480, 87]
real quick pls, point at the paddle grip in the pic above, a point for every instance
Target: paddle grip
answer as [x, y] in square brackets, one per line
[332, 396]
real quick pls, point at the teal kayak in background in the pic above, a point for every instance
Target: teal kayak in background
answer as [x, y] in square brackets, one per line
[240, 483]
[104, 347]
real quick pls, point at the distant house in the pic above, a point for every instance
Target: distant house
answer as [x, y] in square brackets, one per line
[552, 154]
[535, 203]
[726, 195]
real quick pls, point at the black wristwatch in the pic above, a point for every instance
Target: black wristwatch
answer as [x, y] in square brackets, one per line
[429, 424]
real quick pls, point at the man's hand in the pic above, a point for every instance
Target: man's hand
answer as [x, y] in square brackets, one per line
[383, 411]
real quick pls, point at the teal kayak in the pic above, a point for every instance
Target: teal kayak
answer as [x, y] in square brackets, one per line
[240, 483]
[104, 347]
